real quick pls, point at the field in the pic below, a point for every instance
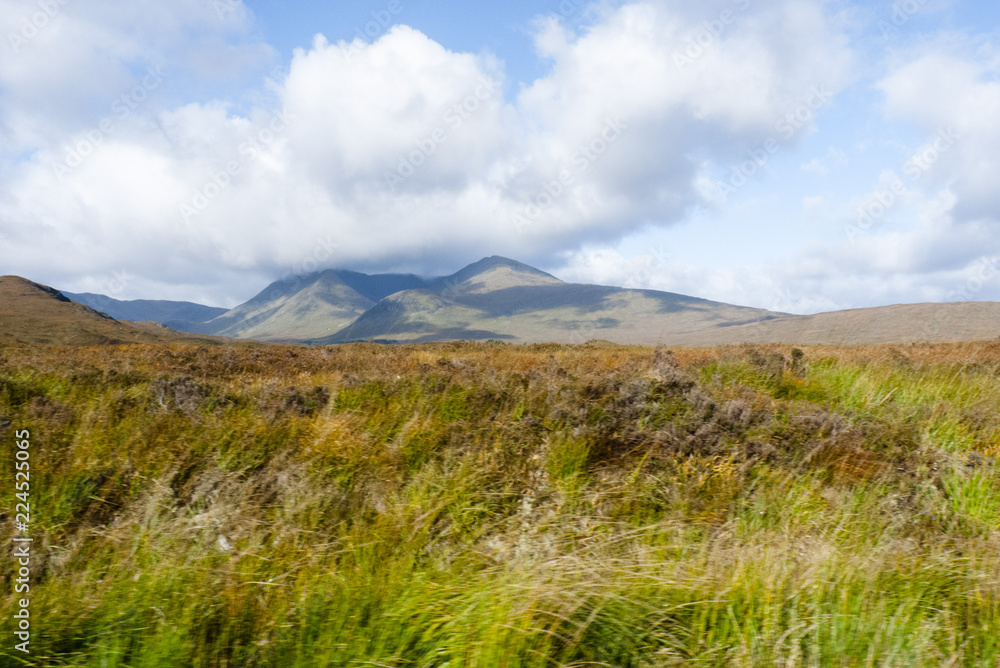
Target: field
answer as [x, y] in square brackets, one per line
[488, 504]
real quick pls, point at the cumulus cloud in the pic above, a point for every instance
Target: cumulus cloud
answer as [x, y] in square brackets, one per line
[65, 62]
[946, 87]
[398, 154]
[927, 230]
[663, 268]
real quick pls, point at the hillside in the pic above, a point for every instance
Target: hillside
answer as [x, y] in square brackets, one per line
[490, 505]
[902, 323]
[294, 309]
[416, 316]
[33, 313]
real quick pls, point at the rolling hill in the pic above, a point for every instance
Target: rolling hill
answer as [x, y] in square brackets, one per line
[32, 313]
[900, 323]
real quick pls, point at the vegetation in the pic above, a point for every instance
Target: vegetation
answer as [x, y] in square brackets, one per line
[497, 505]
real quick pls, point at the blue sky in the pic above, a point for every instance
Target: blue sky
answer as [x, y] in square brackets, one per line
[798, 155]
[501, 28]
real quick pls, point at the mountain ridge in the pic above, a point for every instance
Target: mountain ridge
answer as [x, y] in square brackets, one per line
[500, 298]
[175, 314]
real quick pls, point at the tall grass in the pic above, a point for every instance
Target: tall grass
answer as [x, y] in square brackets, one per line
[497, 505]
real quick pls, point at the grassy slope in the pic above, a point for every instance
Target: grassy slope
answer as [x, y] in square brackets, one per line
[33, 313]
[497, 505]
[297, 308]
[900, 323]
[543, 312]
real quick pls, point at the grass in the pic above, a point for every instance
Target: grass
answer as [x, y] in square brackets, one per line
[498, 505]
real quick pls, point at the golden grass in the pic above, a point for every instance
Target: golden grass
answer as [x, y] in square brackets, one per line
[479, 504]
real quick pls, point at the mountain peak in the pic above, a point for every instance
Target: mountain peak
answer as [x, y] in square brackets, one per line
[23, 287]
[498, 261]
[494, 268]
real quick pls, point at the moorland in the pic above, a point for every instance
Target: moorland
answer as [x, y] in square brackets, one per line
[488, 504]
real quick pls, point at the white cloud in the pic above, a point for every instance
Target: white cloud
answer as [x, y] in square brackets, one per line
[61, 73]
[931, 234]
[937, 239]
[945, 87]
[762, 287]
[612, 139]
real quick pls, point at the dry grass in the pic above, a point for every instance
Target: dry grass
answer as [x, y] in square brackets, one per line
[497, 505]
[38, 315]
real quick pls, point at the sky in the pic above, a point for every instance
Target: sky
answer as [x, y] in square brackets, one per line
[795, 155]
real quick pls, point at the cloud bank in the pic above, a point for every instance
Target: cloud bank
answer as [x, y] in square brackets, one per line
[158, 150]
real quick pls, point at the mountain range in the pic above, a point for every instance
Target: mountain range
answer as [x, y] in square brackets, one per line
[182, 316]
[502, 299]
[494, 298]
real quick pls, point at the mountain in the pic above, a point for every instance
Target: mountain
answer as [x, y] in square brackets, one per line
[308, 307]
[316, 306]
[499, 298]
[183, 316]
[495, 297]
[32, 313]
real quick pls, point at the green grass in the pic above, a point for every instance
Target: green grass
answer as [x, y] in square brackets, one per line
[482, 505]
